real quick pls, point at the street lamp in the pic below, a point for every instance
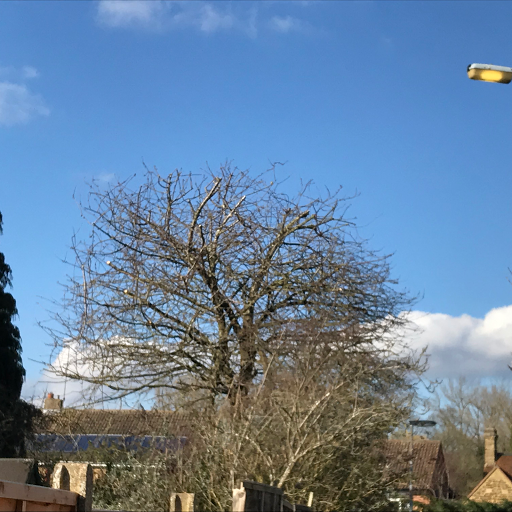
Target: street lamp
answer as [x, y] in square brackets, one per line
[415, 423]
[490, 73]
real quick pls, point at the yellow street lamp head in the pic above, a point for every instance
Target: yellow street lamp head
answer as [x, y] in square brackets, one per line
[490, 73]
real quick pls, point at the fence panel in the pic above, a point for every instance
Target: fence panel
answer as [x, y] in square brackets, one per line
[256, 497]
[303, 508]
[15, 496]
[287, 506]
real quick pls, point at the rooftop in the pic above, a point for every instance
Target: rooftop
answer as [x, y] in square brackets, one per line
[426, 453]
[120, 422]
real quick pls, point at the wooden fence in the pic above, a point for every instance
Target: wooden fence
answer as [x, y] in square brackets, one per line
[72, 492]
[256, 497]
[23, 497]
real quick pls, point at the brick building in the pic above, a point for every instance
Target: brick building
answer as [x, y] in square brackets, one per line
[496, 485]
[430, 475]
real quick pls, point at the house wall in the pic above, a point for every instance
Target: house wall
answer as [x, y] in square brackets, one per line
[440, 478]
[495, 489]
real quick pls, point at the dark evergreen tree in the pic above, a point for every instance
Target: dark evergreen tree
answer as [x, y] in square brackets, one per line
[12, 372]
[15, 414]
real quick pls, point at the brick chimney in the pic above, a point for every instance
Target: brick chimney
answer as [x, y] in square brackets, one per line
[490, 446]
[51, 403]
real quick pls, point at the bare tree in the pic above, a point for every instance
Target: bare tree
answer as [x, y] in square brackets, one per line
[314, 423]
[317, 421]
[189, 282]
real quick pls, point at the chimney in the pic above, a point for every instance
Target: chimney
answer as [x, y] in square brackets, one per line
[51, 403]
[490, 447]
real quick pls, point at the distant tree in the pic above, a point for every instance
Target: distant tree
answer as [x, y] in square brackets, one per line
[15, 414]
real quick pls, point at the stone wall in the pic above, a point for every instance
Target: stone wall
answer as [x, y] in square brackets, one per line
[495, 489]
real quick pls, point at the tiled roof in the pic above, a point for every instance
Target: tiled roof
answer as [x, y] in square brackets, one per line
[115, 422]
[425, 457]
[505, 464]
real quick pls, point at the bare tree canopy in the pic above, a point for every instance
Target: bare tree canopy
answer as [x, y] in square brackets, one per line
[189, 281]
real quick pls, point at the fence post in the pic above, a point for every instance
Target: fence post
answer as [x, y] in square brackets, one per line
[239, 499]
[75, 477]
[182, 502]
[60, 477]
[256, 497]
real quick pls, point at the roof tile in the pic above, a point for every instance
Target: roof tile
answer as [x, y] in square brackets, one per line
[115, 422]
[425, 455]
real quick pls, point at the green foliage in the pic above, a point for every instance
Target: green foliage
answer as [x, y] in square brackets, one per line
[11, 367]
[16, 416]
[16, 426]
[135, 484]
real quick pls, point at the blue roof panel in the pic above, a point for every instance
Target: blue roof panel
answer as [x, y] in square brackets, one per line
[81, 442]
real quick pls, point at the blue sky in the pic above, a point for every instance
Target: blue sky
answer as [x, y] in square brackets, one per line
[369, 95]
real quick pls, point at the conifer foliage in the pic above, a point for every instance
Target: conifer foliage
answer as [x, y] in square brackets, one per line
[15, 414]
[12, 372]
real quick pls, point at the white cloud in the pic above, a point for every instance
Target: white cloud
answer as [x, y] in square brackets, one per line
[286, 24]
[91, 362]
[211, 19]
[206, 17]
[30, 72]
[18, 74]
[157, 14]
[75, 392]
[18, 105]
[124, 13]
[458, 345]
[72, 390]
[105, 177]
[465, 345]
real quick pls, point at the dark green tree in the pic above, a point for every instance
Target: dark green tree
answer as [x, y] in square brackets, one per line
[15, 414]
[12, 372]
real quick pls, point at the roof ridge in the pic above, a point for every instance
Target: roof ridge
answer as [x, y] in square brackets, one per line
[416, 441]
[117, 411]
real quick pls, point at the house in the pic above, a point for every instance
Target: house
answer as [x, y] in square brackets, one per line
[429, 473]
[67, 430]
[65, 433]
[496, 485]
[72, 430]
